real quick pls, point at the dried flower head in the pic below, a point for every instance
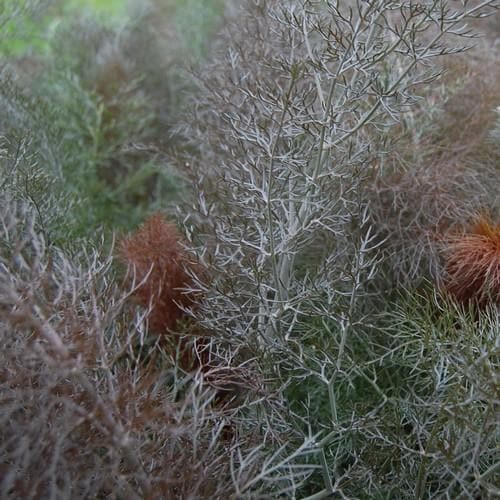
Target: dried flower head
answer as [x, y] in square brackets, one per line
[473, 263]
[160, 264]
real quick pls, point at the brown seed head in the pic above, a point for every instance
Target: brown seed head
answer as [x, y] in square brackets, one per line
[159, 261]
[473, 263]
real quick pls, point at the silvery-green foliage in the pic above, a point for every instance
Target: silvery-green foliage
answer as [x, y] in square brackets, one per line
[495, 132]
[448, 425]
[291, 124]
[293, 117]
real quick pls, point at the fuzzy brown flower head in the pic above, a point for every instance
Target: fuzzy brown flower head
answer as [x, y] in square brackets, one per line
[160, 263]
[473, 264]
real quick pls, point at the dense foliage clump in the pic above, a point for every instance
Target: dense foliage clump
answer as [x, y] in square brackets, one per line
[473, 264]
[302, 301]
[159, 265]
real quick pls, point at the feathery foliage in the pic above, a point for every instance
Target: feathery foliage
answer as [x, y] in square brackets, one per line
[317, 302]
[296, 126]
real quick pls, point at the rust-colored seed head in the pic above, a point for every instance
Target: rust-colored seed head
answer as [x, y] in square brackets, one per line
[473, 264]
[155, 253]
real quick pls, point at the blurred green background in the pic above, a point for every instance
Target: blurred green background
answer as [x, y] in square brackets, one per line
[90, 94]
